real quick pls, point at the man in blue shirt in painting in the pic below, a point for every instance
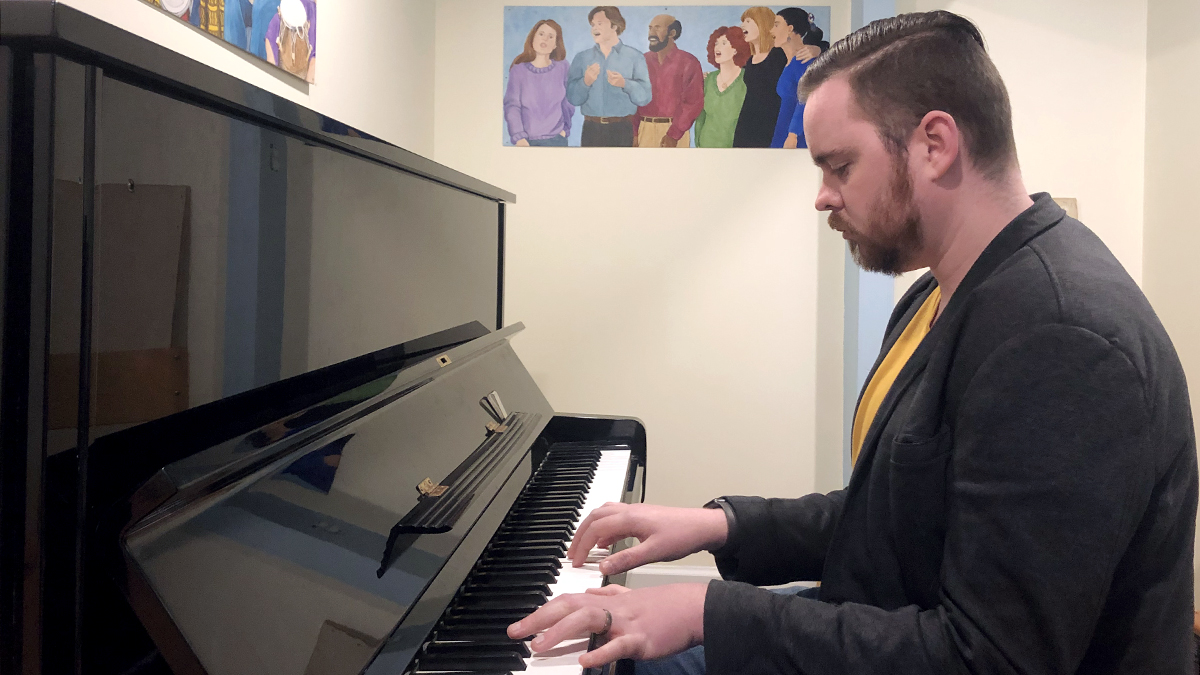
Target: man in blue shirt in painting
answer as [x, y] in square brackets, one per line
[608, 82]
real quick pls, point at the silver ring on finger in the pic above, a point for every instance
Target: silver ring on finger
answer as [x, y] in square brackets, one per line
[607, 624]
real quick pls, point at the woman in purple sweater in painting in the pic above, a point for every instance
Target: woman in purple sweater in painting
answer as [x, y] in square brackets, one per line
[535, 105]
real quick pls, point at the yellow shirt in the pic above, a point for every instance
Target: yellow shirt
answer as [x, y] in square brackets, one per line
[885, 375]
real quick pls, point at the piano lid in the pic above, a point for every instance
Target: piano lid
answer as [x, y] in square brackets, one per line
[300, 543]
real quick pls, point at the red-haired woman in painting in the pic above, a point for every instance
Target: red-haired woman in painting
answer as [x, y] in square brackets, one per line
[535, 103]
[724, 88]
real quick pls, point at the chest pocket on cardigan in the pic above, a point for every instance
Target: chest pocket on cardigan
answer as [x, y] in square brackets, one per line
[918, 473]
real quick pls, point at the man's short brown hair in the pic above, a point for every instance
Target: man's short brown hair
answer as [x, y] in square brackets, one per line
[613, 14]
[903, 67]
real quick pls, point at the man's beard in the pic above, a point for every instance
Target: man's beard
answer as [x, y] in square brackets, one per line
[658, 45]
[894, 228]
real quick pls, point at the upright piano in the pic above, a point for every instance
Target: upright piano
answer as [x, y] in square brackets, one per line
[259, 409]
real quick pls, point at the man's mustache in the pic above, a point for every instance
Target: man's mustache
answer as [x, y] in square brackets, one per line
[838, 222]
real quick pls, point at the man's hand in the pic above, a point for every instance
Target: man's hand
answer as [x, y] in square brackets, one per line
[647, 623]
[590, 75]
[665, 533]
[616, 79]
[808, 53]
[668, 142]
[792, 142]
[522, 143]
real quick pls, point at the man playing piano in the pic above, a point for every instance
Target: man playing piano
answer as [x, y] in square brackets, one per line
[1024, 493]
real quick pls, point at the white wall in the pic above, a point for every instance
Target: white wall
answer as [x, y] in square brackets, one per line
[676, 286]
[1172, 172]
[374, 68]
[1076, 74]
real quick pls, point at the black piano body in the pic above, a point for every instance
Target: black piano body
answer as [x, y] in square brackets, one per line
[177, 425]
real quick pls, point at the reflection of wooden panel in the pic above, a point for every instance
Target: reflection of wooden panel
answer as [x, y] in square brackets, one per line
[138, 242]
[340, 650]
[140, 291]
[130, 387]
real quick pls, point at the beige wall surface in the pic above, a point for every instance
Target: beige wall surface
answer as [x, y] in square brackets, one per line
[1076, 74]
[374, 69]
[679, 287]
[1172, 173]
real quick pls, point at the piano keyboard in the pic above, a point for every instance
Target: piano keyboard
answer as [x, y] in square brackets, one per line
[524, 566]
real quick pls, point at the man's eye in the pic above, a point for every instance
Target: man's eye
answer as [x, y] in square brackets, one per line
[842, 171]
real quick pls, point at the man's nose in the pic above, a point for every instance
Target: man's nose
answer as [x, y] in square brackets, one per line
[828, 199]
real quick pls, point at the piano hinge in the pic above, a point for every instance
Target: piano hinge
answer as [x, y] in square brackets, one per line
[428, 488]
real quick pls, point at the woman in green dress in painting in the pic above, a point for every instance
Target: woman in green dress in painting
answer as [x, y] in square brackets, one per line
[724, 88]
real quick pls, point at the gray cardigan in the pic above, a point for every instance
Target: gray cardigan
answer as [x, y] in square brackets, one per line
[1024, 502]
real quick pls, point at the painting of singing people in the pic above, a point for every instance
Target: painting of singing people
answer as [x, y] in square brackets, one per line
[658, 76]
[281, 32]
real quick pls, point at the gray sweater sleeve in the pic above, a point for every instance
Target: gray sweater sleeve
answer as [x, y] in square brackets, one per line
[1046, 484]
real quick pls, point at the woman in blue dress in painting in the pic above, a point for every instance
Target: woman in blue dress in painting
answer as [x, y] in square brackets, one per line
[801, 42]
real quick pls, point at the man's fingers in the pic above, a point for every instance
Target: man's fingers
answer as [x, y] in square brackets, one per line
[579, 623]
[592, 530]
[624, 647]
[611, 589]
[582, 530]
[546, 616]
[602, 532]
[634, 556]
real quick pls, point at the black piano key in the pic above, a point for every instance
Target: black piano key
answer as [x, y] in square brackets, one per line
[502, 646]
[552, 530]
[471, 662]
[515, 560]
[529, 600]
[477, 621]
[572, 461]
[509, 544]
[550, 484]
[519, 566]
[561, 511]
[461, 672]
[505, 579]
[570, 474]
[544, 520]
[533, 526]
[464, 615]
[549, 503]
[542, 537]
[472, 633]
[519, 551]
[475, 587]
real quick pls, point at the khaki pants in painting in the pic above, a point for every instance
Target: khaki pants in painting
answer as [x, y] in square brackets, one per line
[650, 135]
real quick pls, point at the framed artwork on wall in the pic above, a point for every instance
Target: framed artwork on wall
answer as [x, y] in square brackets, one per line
[658, 76]
[281, 32]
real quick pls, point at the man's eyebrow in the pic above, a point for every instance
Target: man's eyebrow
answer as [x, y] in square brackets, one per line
[824, 158]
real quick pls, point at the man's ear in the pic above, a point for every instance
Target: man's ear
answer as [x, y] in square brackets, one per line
[939, 141]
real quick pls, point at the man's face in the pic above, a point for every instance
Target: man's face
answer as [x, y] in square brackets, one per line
[867, 190]
[660, 36]
[603, 29]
